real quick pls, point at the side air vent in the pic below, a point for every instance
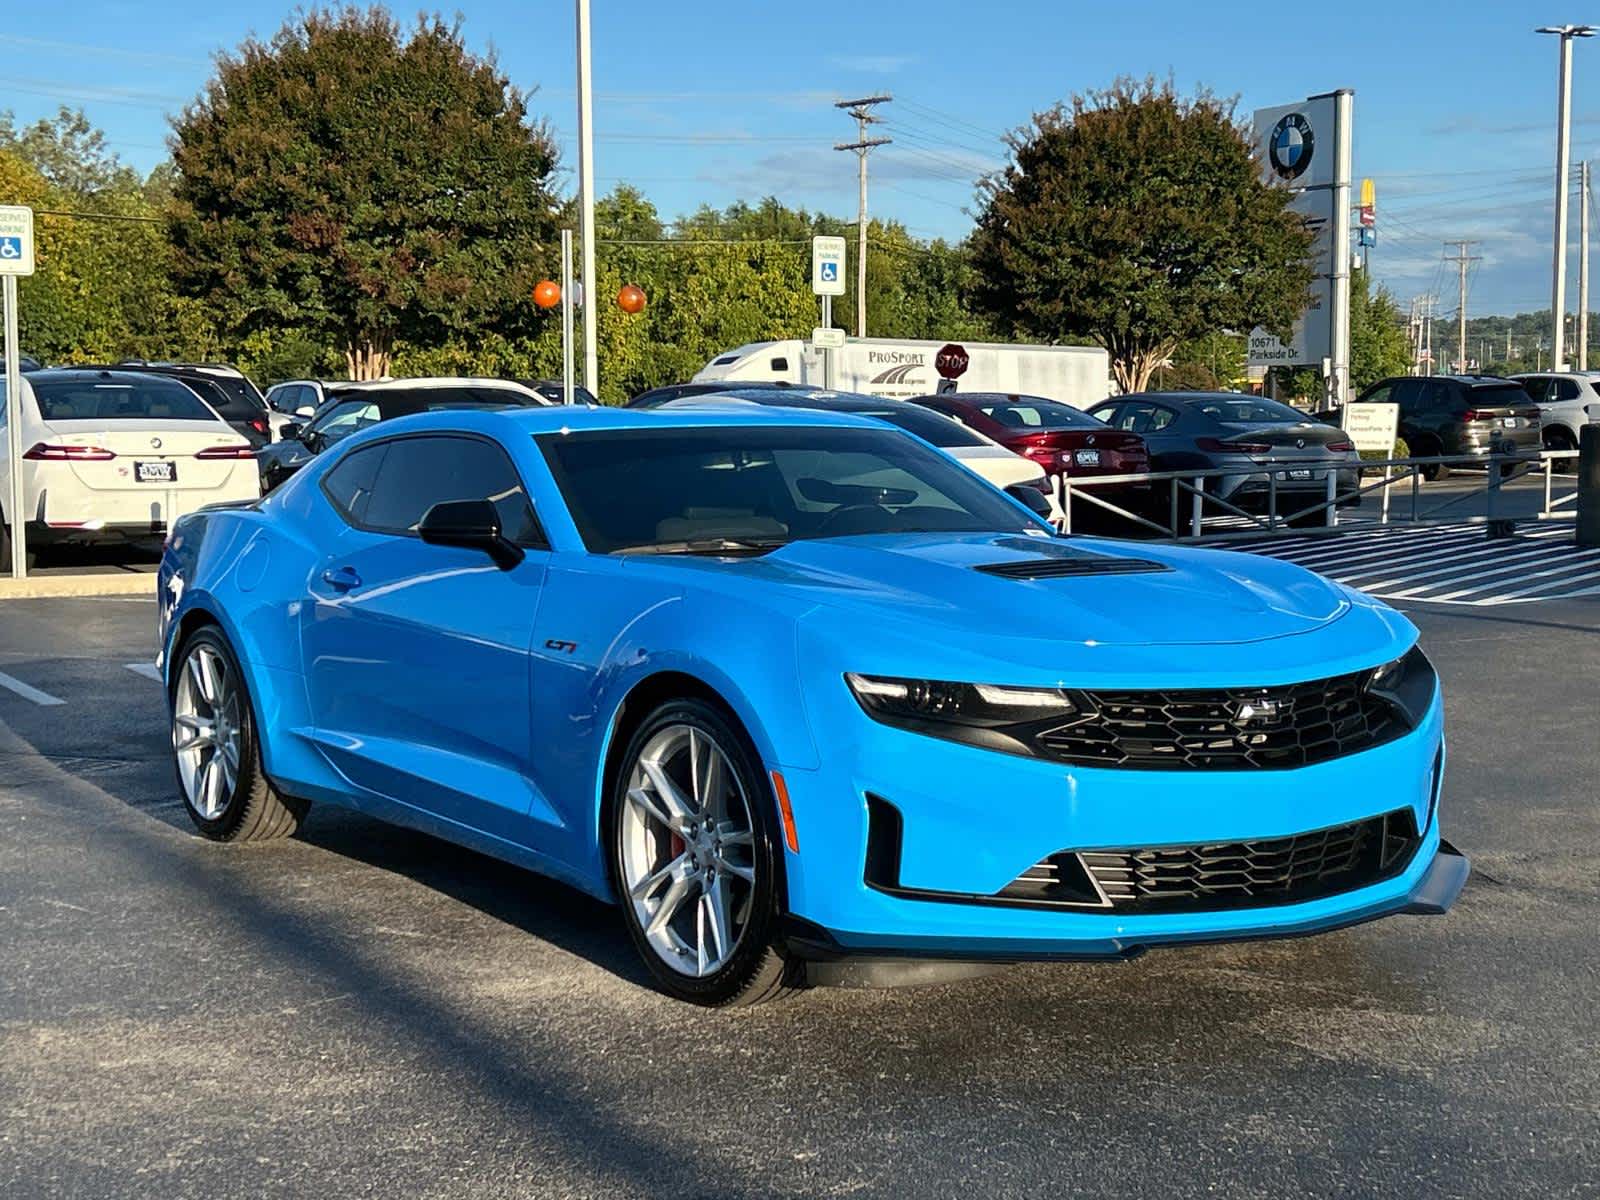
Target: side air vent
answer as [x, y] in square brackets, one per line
[1063, 567]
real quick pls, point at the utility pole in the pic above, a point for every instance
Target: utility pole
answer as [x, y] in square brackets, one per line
[591, 289]
[1558, 287]
[1583, 265]
[861, 110]
[1462, 260]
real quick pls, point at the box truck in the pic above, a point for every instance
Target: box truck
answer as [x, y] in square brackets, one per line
[1076, 375]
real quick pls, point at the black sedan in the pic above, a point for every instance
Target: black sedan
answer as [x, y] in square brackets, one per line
[354, 406]
[1262, 444]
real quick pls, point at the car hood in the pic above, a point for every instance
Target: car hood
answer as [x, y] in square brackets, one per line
[1174, 595]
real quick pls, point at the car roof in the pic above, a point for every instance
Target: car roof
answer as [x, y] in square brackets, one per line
[582, 418]
[124, 374]
[432, 381]
[994, 398]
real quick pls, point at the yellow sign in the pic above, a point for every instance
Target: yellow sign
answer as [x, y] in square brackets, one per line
[1369, 194]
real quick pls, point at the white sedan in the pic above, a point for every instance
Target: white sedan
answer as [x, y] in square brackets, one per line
[118, 455]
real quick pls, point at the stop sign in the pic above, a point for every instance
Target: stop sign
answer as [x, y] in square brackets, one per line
[951, 361]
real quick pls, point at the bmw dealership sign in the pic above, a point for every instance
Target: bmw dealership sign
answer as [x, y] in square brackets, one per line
[1305, 147]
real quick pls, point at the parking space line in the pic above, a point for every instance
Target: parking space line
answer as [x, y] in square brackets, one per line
[12, 684]
[148, 670]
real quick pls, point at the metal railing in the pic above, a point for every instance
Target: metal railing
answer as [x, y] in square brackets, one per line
[1190, 503]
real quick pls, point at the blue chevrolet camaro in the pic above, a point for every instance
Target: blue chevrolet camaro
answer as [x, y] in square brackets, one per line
[803, 696]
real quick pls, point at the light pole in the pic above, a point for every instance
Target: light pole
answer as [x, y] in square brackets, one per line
[591, 288]
[1558, 290]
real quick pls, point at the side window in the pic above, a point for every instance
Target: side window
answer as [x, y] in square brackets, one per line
[1160, 418]
[1536, 386]
[1435, 396]
[1145, 417]
[1109, 413]
[419, 472]
[1378, 395]
[1567, 389]
[1406, 393]
[349, 484]
[347, 418]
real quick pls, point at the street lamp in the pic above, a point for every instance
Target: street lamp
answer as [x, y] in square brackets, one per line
[1558, 296]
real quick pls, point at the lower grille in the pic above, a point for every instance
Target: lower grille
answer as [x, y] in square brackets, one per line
[1224, 875]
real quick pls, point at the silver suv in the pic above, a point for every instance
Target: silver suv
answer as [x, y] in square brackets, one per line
[1567, 401]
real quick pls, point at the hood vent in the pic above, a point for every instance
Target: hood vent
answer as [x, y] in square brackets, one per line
[1064, 567]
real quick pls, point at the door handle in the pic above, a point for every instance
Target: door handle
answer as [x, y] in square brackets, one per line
[341, 579]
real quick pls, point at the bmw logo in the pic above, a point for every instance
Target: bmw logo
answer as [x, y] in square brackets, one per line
[1291, 146]
[155, 443]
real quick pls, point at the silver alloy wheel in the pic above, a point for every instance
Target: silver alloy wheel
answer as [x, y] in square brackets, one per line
[688, 850]
[205, 731]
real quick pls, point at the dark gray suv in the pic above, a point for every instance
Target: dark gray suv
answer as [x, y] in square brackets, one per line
[1453, 415]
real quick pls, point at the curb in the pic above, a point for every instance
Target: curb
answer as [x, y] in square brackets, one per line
[54, 586]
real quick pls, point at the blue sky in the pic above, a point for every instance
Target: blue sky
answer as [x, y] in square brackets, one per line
[713, 101]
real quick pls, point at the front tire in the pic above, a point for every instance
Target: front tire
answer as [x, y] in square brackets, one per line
[215, 749]
[695, 859]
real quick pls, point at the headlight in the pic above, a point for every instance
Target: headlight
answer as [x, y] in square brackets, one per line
[983, 714]
[1406, 684]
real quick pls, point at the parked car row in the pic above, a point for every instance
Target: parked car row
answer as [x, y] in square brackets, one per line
[1268, 453]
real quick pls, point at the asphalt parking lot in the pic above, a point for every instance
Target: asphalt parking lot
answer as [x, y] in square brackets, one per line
[363, 1011]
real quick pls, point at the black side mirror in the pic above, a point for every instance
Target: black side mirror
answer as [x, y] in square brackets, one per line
[473, 524]
[291, 432]
[1032, 497]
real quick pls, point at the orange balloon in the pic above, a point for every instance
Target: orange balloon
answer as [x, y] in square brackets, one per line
[630, 299]
[547, 293]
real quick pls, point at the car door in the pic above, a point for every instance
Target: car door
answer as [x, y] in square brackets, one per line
[416, 656]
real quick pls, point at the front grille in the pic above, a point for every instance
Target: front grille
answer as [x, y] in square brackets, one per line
[1064, 567]
[1224, 730]
[1223, 875]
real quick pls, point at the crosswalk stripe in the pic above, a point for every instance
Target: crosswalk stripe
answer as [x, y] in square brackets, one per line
[1447, 564]
[27, 692]
[148, 670]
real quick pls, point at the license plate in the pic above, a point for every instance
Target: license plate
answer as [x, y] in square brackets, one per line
[1508, 422]
[155, 472]
[1300, 473]
[1088, 458]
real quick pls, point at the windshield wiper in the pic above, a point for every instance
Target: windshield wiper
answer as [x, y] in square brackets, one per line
[717, 545]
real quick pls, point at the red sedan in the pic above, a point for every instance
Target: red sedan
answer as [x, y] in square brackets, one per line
[1060, 438]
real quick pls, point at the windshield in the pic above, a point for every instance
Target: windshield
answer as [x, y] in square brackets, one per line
[764, 485]
[92, 399]
[1029, 413]
[1246, 410]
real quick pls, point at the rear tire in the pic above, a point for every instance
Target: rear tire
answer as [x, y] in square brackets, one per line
[1432, 472]
[216, 752]
[695, 859]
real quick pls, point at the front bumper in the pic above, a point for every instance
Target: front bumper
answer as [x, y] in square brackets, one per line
[974, 820]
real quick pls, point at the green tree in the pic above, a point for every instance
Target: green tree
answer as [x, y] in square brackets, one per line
[1138, 218]
[364, 187]
[1379, 344]
[103, 288]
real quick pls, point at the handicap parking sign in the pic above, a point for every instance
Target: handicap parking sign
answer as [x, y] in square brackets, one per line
[16, 240]
[830, 271]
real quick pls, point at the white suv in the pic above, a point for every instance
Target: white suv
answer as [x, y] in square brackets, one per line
[1567, 401]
